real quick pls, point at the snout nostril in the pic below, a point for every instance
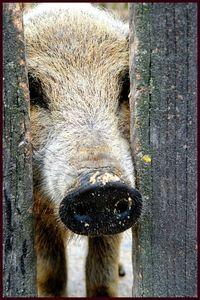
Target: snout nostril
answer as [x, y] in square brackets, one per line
[81, 210]
[100, 208]
[121, 206]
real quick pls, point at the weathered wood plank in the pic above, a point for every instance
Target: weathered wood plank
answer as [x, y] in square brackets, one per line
[164, 129]
[18, 254]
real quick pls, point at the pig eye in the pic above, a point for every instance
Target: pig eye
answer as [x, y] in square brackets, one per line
[125, 88]
[37, 96]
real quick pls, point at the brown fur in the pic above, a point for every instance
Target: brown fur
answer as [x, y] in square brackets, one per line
[102, 266]
[78, 59]
[50, 242]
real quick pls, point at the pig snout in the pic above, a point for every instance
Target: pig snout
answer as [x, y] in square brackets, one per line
[101, 204]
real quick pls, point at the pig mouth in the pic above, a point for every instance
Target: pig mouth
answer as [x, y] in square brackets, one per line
[101, 208]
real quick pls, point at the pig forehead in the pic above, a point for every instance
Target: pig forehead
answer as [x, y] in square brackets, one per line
[73, 14]
[67, 42]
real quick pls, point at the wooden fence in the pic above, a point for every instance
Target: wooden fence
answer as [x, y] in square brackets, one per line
[163, 69]
[18, 230]
[163, 139]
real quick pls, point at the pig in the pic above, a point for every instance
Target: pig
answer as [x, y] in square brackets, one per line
[78, 70]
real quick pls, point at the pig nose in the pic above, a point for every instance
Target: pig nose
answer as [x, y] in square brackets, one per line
[101, 204]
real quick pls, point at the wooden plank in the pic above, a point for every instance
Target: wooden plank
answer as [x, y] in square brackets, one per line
[19, 265]
[164, 147]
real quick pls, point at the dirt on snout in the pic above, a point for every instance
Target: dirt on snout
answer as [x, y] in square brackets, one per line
[77, 250]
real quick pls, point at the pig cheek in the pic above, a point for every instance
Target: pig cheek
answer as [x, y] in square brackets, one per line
[124, 121]
[40, 127]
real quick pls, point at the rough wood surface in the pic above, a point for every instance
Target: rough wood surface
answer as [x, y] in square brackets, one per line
[18, 254]
[164, 147]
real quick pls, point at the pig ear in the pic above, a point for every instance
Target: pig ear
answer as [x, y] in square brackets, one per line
[37, 94]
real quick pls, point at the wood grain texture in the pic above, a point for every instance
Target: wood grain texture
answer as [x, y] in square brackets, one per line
[18, 254]
[164, 131]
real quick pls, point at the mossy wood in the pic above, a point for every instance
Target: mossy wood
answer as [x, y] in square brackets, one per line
[18, 249]
[164, 147]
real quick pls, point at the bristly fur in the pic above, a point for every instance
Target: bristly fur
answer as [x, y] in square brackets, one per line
[77, 57]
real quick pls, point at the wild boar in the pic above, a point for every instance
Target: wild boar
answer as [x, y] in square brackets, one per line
[78, 66]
